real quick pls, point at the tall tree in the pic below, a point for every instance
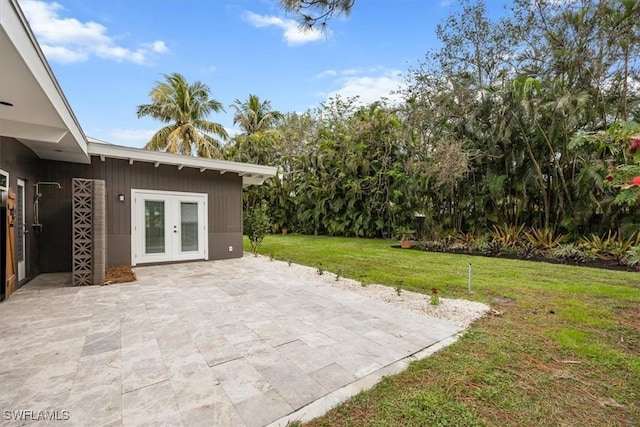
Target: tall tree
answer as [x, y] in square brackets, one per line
[259, 141]
[477, 47]
[254, 116]
[184, 107]
[503, 125]
[316, 13]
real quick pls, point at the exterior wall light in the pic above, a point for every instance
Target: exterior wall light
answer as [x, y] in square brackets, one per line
[121, 197]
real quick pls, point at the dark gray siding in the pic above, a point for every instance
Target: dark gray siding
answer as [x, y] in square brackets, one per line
[20, 162]
[224, 196]
[55, 214]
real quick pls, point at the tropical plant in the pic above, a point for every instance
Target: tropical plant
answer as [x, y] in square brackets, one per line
[495, 247]
[480, 244]
[404, 232]
[508, 123]
[434, 245]
[570, 252]
[256, 225]
[526, 250]
[465, 238]
[543, 238]
[509, 236]
[185, 108]
[632, 257]
[622, 246]
[434, 299]
[254, 116]
[626, 177]
[611, 245]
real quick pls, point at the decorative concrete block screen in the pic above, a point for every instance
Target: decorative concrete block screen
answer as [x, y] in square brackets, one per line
[89, 231]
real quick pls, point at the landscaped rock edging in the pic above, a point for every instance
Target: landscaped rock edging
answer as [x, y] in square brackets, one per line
[459, 312]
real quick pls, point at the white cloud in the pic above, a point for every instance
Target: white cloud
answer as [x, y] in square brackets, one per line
[159, 46]
[232, 131]
[69, 40]
[369, 85]
[209, 69]
[350, 71]
[327, 73]
[143, 135]
[293, 34]
[64, 55]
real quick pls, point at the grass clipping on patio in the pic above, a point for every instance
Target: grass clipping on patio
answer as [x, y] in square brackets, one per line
[119, 274]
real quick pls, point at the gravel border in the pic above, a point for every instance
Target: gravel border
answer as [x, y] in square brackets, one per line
[459, 312]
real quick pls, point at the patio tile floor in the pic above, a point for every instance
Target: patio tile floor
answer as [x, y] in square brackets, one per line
[232, 343]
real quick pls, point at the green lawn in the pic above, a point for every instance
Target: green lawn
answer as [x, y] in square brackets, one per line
[566, 351]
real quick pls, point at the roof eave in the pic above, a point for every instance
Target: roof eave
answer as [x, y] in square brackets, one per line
[251, 174]
[24, 41]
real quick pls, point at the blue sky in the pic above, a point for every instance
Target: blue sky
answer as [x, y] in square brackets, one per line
[107, 54]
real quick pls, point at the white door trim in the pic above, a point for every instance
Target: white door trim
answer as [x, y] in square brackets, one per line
[21, 195]
[5, 174]
[172, 229]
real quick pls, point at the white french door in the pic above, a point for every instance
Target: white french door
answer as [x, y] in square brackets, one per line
[168, 226]
[21, 229]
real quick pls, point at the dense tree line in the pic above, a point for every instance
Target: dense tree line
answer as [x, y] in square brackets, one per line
[516, 121]
[527, 120]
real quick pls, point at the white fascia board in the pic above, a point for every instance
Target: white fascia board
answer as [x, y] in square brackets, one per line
[158, 157]
[254, 180]
[17, 28]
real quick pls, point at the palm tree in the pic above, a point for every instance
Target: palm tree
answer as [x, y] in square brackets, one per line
[254, 116]
[184, 107]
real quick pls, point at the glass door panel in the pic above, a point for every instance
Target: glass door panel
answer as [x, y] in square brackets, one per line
[154, 227]
[188, 226]
[21, 229]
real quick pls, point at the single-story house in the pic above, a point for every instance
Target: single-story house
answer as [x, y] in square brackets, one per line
[72, 203]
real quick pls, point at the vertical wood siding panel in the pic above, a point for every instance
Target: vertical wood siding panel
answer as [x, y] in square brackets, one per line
[224, 198]
[124, 217]
[112, 171]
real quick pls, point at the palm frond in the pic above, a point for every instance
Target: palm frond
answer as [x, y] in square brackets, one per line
[187, 107]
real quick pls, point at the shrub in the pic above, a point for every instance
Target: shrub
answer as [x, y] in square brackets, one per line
[508, 235]
[632, 257]
[570, 252]
[434, 246]
[543, 238]
[611, 245]
[495, 247]
[256, 225]
[434, 299]
[465, 238]
[480, 244]
[526, 250]
[458, 246]
[404, 232]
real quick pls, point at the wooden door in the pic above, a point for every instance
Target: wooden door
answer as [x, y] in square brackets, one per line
[11, 280]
